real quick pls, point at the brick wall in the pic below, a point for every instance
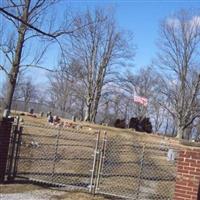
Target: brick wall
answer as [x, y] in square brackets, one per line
[188, 174]
[5, 128]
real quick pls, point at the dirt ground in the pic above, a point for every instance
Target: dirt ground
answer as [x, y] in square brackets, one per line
[34, 192]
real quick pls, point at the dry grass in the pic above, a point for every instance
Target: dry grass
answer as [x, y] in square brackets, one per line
[18, 188]
[73, 158]
[60, 195]
[112, 131]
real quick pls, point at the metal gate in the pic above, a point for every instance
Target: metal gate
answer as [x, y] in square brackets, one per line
[62, 157]
[133, 169]
[114, 165]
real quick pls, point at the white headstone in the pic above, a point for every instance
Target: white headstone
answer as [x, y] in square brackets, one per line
[171, 155]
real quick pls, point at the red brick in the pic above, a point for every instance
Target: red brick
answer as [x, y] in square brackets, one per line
[192, 184]
[197, 178]
[183, 188]
[184, 164]
[195, 189]
[194, 165]
[189, 168]
[180, 159]
[191, 193]
[194, 173]
[182, 153]
[194, 197]
[177, 190]
[187, 160]
[182, 171]
[188, 175]
[193, 155]
[179, 198]
[197, 169]
[183, 195]
[181, 183]
[5, 130]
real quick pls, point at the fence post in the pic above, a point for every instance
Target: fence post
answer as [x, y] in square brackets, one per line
[101, 161]
[12, 152]
[5, 130]
[94, 161]
[141, 169]
[15, 143]
[17, 152]
[56, 154]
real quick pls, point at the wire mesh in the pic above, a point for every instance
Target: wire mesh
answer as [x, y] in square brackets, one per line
[114, 165]
[55, 155]
[137, 170]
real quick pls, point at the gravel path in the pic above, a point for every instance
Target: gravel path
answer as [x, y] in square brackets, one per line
[34, 192]
[33, 195]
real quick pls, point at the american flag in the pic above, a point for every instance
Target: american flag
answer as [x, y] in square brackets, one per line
[140, 100]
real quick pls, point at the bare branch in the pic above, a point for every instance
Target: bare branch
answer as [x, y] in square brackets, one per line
[2, 68]
[53, 35]
[39, 67]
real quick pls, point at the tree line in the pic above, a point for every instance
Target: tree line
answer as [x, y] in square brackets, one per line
[94, 77]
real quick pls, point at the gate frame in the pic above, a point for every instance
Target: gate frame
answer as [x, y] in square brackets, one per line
[95, 164]
[100, 171]
[14, 150]
[101, 162]
[15, 141]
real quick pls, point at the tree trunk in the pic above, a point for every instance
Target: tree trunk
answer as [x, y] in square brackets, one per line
[82, 109]
[99, 85]
[180, 132]
[173, 131]
[95, 107]
[16, 62]
[25, 106]
[166, 128]
[106, 112]
[88, 110]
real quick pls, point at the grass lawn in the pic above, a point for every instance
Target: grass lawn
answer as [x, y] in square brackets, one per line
[68, 154]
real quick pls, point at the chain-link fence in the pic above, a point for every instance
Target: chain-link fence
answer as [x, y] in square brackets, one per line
[55, 155]
[18, 105]
[114, 165]
[136, 170]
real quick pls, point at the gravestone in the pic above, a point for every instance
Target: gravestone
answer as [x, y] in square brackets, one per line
[142, 125]
[31, 111]
[74, 118]
[120, 123]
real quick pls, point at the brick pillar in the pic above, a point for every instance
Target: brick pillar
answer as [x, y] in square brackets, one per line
[5, 129]
[188, 174]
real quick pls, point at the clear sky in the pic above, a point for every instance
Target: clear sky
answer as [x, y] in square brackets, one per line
[140, 17]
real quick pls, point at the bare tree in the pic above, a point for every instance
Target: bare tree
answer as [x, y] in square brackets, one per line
[144, 83]
[114, 105]
[27, 91]
[28, 12]
[66, 88]
[178, 57]
[60, 89]
[97, 47]
[27, 17]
